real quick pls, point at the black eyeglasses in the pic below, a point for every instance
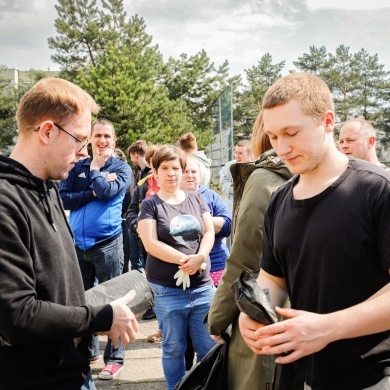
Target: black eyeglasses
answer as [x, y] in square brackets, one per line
[83, 144]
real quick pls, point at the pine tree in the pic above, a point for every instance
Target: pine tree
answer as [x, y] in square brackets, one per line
[197, 82]
[248, 100]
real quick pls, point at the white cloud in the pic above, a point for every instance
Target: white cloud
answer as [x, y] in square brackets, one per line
[237, 31]
[350, 5]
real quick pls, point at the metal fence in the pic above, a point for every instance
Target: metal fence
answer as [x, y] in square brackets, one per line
[221, 150]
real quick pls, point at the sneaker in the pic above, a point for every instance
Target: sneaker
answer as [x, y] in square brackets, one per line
[155, 338]
[110, 371]
[149, 315]
[94, 360]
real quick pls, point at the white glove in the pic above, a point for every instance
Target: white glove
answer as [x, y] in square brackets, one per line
[182, 277]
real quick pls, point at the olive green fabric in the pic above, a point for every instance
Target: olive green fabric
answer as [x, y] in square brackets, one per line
[254, 183]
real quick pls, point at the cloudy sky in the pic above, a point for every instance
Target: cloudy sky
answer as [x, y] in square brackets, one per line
[239, 31]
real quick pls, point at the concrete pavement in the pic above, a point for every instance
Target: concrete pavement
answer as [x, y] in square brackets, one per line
[143, 368]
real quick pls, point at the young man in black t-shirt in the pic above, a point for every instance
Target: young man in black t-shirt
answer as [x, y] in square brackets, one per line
[325, 244]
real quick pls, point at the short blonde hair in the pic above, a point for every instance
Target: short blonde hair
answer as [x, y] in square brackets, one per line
[55, 99]
[312, 94]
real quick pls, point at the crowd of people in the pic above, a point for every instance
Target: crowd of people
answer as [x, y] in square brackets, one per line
[305, 214]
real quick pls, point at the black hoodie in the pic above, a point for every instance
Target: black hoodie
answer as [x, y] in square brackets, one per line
[42, 303]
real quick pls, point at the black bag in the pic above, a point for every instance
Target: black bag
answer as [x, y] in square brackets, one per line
[211, 372]
[252, 300]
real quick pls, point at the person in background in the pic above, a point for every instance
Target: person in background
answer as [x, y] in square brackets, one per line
[242, 154]
[125, 205]
[136, 153]
[45, 324]
[221, 215]
[338, 325]
[94, 193]
[177, 231]
[146, 187]
[255, 183]
[222, 219]
[188, 143]
[357, 138]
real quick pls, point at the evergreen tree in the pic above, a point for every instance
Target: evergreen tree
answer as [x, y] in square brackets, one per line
[372, 79]
[342, 80]
[138, 107]
[10, 96]
[315, 62]
[8, 127]
[80, 40]
[113, 58]
[197, 82]
[248, 100]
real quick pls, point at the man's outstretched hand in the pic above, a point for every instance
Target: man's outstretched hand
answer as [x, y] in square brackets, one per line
[124, 324]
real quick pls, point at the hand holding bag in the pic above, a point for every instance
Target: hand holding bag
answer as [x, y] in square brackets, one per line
[253, 301]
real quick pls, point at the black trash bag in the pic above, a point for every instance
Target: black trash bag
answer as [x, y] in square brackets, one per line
[252, 300]
[211, 372]
[115, 288]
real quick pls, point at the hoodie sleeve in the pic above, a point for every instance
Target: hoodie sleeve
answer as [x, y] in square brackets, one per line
[41, 290]
[226, 180]
[220, 208]
[133, 210]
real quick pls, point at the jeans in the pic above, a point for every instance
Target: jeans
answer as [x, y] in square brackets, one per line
[180, 312]
[136, 260]
[103, 262]
[89, 384]
[126, 246]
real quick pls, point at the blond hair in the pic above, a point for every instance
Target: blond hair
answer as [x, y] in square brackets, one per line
[55, 99]
[312, 94]
[259, 140]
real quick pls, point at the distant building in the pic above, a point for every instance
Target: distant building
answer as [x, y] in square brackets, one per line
[15, 77]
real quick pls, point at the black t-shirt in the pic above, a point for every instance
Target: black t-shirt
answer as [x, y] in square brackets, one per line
[333, 251]
[180, 226]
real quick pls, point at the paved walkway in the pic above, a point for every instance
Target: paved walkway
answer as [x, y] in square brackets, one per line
[143, 368]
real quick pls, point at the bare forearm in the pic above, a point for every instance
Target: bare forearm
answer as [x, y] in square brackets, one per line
[163, 252]
[206, 244]
[276, 287]
[369, 317]
[305, 333]
[218, 224]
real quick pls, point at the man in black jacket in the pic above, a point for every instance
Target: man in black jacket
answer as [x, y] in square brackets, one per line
[45, 325]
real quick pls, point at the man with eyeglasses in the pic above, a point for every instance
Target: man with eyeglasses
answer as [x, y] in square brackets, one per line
[242, 154]
[94, 193]
[45, 324]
